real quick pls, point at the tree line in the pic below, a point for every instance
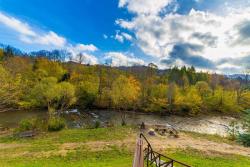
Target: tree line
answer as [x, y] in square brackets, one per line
[29, 82]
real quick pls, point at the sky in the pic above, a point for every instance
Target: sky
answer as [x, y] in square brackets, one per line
[211, 35]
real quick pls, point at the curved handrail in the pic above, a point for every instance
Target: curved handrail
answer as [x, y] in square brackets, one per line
[158, 155]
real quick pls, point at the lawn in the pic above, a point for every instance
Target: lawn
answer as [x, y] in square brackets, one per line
[200, 159]
[47, 150]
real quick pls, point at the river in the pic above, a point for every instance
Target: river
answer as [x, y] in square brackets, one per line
[201, 124]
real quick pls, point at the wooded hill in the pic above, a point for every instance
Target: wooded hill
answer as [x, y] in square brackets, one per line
[29, 81]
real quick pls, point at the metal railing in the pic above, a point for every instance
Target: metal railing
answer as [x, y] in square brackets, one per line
[154, 158]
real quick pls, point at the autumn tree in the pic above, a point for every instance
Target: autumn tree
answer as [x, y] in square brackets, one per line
[124, 93]
[49, 68]
[203, 89]
[189, 101]
[9, 90]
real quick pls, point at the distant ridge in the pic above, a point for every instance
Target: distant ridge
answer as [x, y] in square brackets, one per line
[239, 76]
[64, 55]
[15, 51]
[61, 55]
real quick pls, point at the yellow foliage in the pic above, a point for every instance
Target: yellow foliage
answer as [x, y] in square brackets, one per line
[189, 100]
[52, 69]
[223, 101]
[125, 91]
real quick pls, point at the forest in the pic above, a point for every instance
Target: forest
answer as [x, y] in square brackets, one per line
[29, 82]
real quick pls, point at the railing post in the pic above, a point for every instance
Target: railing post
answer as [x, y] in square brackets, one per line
[159, 160]
[147, 155]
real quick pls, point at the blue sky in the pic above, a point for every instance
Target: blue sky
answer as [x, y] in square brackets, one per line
[210, 34]
[79, 21]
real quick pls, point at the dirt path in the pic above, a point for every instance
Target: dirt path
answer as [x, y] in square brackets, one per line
[185, 141]
[162, 143]
[158, 143]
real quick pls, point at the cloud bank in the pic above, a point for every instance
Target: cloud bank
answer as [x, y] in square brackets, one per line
[121, 59]
[199, 38]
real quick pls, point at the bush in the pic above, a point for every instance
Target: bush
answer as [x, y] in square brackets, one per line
[97, 124]
[26, 124]
[56, 124]
[123, 122]
[233, 130]
[244, 139]
[31, 124]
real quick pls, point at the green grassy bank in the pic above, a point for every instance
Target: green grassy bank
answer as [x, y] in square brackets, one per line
[104, 147]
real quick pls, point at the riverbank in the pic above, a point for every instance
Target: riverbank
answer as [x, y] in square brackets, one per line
[205, 124]
[112, 147]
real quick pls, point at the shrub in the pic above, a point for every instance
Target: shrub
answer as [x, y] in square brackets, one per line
[244, 139]
[26, 124]
[233, 130]
[56, 124]
[97, 124]
[123, 122]
[31, 124]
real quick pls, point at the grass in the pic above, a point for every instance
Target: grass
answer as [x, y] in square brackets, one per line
[114, 157]
[32, 152]
[74, 135]
[42, 151]
[200, 159]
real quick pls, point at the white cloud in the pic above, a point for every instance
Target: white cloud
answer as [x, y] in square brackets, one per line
[221, 36]
[82, 48]
[81, 53]
[30, 35]
[16, 25]
[51, 38]
[121, 37]
[105, 36]
[127, 36]
[144, 6]
[121, 59]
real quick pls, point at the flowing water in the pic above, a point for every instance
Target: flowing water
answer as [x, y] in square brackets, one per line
[202, 124]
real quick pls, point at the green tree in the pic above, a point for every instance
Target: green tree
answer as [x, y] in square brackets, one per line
[157, 100]
[8, 52]
[66, 95]
[87, 91]
[244, 138]
[53, 95]
[223, 101]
